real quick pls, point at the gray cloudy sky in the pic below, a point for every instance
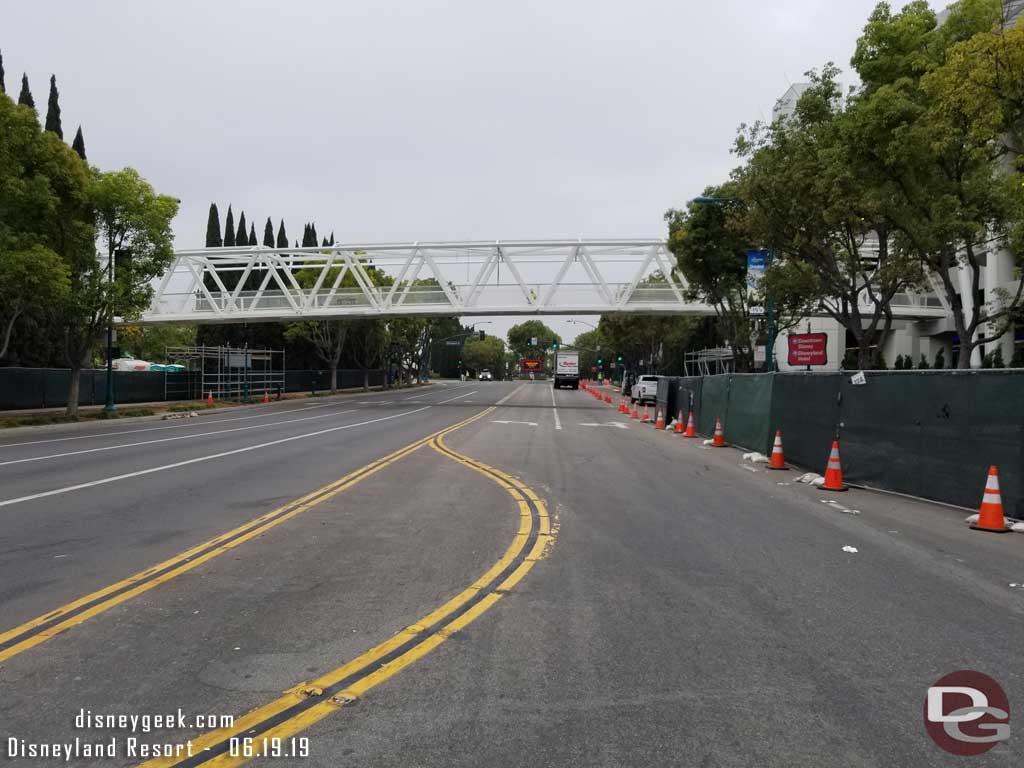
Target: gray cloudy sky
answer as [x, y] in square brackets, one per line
[426, 120]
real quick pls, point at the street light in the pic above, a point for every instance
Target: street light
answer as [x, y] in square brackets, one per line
[573, 321]
[769, 308]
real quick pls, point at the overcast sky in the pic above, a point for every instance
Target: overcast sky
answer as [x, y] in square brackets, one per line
[426, 120]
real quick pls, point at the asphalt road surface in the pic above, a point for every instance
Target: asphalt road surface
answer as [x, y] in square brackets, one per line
[477, 574]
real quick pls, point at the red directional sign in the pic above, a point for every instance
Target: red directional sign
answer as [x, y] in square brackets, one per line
[531, 366]
[808, 348]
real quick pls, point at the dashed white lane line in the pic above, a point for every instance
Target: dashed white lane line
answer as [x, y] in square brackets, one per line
[457, 397]
[201, 423]
[554, 409]
[209, 457]
[171, 439]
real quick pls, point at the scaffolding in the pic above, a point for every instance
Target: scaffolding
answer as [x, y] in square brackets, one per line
[227, 373]
[709, 362]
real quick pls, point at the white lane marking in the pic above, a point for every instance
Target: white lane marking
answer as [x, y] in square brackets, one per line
[171, 439]
[457, 397]
[200, 423]
[210, 457]
[510, 395]
[614, 424]
[849, 549]
[554, 409]
[528, 423]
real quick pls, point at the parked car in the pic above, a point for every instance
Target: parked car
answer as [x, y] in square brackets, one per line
[485, 375]
[645, 390]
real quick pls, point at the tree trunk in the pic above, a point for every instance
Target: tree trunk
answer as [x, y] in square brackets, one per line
[334, 377]
[72, 407]
[7, 335]
[366, 380]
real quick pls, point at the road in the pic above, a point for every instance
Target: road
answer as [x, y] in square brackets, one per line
[480, 574]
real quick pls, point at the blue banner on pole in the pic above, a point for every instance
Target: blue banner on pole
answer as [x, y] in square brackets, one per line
[757, 261]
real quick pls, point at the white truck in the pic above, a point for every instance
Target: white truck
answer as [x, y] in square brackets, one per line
[567, 369]
[645, 390]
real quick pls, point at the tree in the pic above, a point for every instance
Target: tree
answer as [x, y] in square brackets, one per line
[331, 241]
[242, 236]
[489, 352]
[282, 236]
[519, 337]
[79, 143]
[923, 363]
[934, 144]
[3, 88]
[53, 110]
[268, 234]
[134, 222]
[710, 243]
[213, 238]
[229, 229]
[940, 360]
[25, 97]
[37, 187]
[829, 234]
[252, 235]
[150, 342]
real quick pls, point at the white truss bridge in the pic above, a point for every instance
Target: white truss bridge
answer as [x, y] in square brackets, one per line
[504, 277]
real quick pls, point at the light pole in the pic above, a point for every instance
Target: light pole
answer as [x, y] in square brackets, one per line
[109, 406]
[769, 302]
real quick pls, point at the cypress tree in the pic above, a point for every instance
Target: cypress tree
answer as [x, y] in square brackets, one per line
[213, 238]
[242, 236]
[312, 235]
[229, 229]
[305, 235]
[332, 239]
[53, 110]
[3, 88]
[25, 97]
[282, 237]
[79, 146]
[324, 243]
[252, 235]
[268, 234]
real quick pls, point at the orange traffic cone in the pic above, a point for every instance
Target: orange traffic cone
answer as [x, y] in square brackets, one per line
[647, 416]
[834, 471]
[623, 408]
[679, 422]
[719, 441]
[778, 461]
[990, 516]
[266, 397]
[691, 428]
[636, 412]
[659, 423]
[209, 397]
[608, 399]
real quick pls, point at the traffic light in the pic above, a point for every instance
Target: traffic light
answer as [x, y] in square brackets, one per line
[483, 335]
[619, 359]
[600, 361]
[554, 345]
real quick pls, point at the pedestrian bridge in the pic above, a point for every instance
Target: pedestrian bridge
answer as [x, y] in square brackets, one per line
[502, 277]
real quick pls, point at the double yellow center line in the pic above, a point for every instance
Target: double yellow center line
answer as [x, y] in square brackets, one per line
[42, 628]
[307, 703]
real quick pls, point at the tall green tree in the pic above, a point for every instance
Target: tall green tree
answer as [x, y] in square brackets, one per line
[489, 353]
[282, 236]
[53, 109]
[41, 220]
[78, 144]
[25, 97]
[3, 87]
[828, 231]
[936, 145]
[213, 238]
[134, 223]
[229, 228]
[268, 234]
[242, 235]
[252, 235]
